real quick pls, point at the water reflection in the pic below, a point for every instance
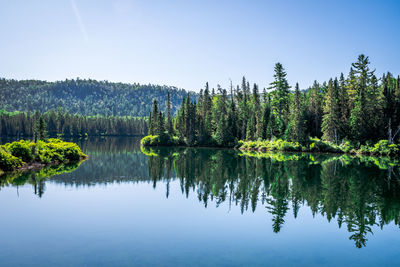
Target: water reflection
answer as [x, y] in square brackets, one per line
[36, 178]
[355, 193]
[358, 192]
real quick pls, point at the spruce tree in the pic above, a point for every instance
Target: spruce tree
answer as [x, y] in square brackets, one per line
[344, 107]
[40, 129]
[265, 119]
[297, 122]
[330, 120]
[280, 99]
[169, 126]
[154, 119]
[315, 109]
[359, 113]
[221, 133]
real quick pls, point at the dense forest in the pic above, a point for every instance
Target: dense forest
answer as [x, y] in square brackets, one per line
[55, 123]
[360, 108]
[86, 97]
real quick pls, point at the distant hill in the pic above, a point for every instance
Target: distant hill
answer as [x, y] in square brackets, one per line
[86, 97]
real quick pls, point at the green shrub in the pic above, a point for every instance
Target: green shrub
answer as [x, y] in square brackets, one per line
[364, 149]
[55, 150]
[9, 162]
[290, 146]
[164, 140]
[21, 149]
[146, 140]
[318, 145]
[384, 148]
[346, 147]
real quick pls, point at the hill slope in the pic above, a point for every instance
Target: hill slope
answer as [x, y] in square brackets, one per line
[86, 97]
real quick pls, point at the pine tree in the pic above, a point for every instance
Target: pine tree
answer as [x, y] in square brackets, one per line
[315, 109]
[222, 133]
[40, 129]
[397, 102]
[330, 120]
[359, 113]
[344, 107]
[374, 111]
[280, 100]
[257, 112]
[169, 125]
[297, 122]
[154, 119]
[160, 127]
[265, 119]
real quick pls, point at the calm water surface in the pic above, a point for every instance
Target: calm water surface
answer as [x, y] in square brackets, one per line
[201, 207]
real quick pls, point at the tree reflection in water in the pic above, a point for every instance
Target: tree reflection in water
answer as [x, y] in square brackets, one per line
[358, 193]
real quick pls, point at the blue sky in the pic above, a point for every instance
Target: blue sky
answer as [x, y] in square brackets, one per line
[186, 43]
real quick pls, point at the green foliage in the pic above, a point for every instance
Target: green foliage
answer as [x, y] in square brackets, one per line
[21, 149]
[55, 150]
[318, 145]
[384, 148]
[271, 145]
[87, 97]
[9, 162]
[164, 140]
[14, 155]
[62, 123]
[347, 147]
[331, 118]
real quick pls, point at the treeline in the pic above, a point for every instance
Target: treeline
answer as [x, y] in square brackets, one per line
[86, 97]
[359, 108]
[55, 123]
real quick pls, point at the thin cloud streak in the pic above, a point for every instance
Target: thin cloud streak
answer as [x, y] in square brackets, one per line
[79, 20]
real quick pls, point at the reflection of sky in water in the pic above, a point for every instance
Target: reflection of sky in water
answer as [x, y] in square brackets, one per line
[134, 223]
[130, 223]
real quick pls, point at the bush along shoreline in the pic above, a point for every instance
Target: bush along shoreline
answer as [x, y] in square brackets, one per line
[314, 145]
[25, 155]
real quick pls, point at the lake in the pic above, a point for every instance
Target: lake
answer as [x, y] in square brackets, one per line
[201, 207]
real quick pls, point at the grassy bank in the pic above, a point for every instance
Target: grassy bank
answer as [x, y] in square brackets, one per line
[26, 154]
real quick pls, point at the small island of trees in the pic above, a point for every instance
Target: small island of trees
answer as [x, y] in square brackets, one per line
[24, 154]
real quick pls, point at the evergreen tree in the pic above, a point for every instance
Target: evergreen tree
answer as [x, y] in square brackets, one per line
[331, 118]
[169, 126]
[344, 107]
[297, 122]
[40, 129]
[359, 114]
[154, 119]
[265, 119]
[315, 109]
[280, 99]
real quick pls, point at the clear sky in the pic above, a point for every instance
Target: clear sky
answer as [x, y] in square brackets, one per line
[186, 43]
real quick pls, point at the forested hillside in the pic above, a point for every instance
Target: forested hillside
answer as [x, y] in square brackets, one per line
[86, 97]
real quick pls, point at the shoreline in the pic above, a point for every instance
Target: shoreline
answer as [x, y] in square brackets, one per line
[315, 146]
